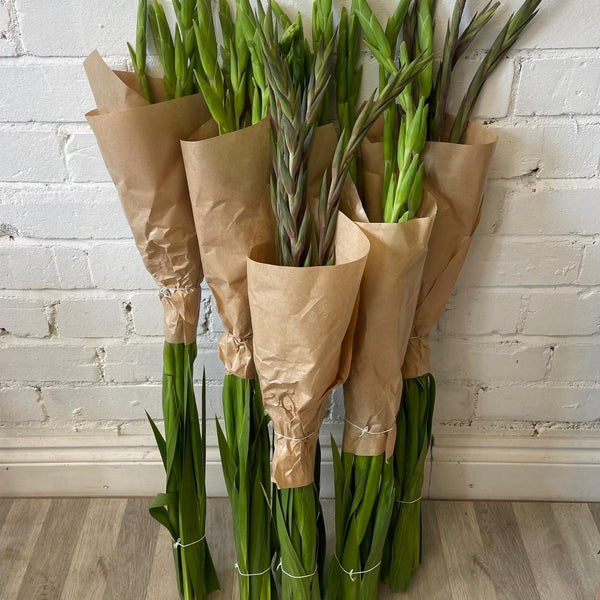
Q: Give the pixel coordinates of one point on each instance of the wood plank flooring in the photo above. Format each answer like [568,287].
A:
[110,549]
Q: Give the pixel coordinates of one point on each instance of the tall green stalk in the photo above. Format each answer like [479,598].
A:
[322,30]
[504,41]
[231,78]
[348,77]
[245,450]
[454,47]
[364,499]
[414,425]
[182,508]
[404,134]
[175,51]
[138,56]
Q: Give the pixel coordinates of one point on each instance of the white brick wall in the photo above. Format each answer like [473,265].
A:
[80,337]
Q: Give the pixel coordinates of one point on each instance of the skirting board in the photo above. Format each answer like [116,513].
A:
[465,467]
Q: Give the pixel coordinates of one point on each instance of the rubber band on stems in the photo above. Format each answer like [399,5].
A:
[352,573]
[409,501]
[280,566]
[365,430]
[178,544]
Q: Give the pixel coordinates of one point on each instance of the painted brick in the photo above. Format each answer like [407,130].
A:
[21,316]
[128,363]
[90,317]
[43,91]
[539,403]
[116,403]
[453,402]
[503,261]
[4,19]
[27,267]
[563,312]
[559,86]
[7,46]
[30,156]
[576,362]
[548,30]
[590,271]
[479,311]
[83,158]
[76,29]
[19,405]
[72,265]
[551,212]
[147,313]
[98,403]
[495,97]
[48,362]
[557,149]
[453,359]
[493,204]
[119,267]
[216,325]
[64,212]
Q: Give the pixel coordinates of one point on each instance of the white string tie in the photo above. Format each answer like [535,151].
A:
[293,439]
[180,545]
[167,292]
[366,431]
[237,568]
[352,573]
[409,501]
[280,566]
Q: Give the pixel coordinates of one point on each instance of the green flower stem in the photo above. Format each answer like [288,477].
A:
[504,41]
[414,425]
[364,500]
[138,56]
[244,449]
[182,508]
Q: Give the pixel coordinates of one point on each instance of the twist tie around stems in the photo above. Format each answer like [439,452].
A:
[237,568]
[293,439]
[167,292]
[409,501]
[180,545]
[352,573]
[365,430]
[280,566]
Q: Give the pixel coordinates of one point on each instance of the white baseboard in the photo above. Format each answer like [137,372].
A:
[465,467]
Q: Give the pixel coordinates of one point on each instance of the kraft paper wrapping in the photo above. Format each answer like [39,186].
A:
[303,328]
[388,298]
[456,175]
[140,146]
[228,179]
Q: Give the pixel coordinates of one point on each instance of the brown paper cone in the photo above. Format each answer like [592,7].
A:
[140,146]
[228,179]
[302,320]
[388,298]
[456,175]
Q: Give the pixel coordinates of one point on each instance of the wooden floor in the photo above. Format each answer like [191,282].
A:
[110,549]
